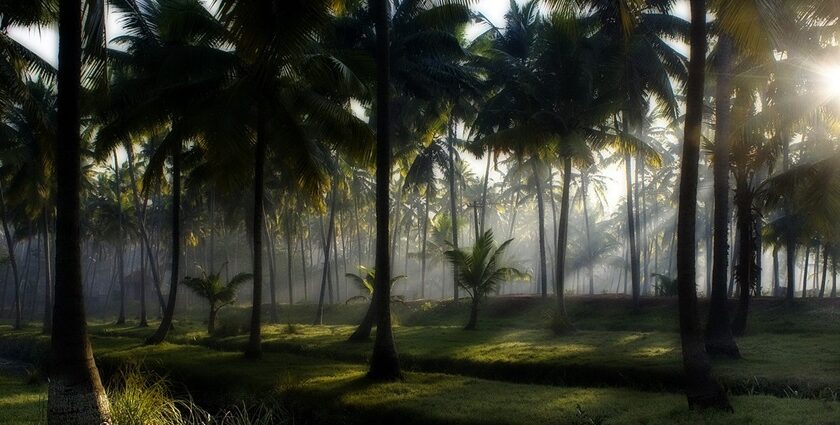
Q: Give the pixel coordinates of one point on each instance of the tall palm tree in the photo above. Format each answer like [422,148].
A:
[76,395]
[384,361]
[701,388]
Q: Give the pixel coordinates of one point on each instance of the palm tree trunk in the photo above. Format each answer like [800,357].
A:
[10,246]
[211,321]
[289,259]
[423,249]
[776,280]
[590,265]
[48,279]
[805,270]
[140,212]
[76,395]
[169,312]
[561,322]
[143,322]
[472,324]
[485,184]
[833,277]
[719,340]
[631,230]
[254,347]
[319,318]
[746,267]
[825,271]
[702,390]
[543,275]
[384,361]
[453,205]
[272,271]
[120,237]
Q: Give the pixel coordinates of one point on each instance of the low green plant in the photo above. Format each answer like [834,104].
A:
[141,397]
[216,291]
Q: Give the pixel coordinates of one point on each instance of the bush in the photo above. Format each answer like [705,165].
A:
[228,328]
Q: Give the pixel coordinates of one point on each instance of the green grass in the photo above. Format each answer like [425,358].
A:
[327,391]
[808,364]
[21,402]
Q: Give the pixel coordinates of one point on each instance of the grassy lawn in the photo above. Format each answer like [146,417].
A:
[330,391]
[775,364]
[21,402]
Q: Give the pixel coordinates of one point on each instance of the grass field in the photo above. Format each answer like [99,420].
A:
[612,370]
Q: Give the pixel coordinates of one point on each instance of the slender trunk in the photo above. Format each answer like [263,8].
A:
[631,230]
[254,348]
[746,267]
[10,246]
[289,260]
[423,249]
[384,361]
[805,270]
[719,340]
[453,205]
[48,280]
[319,318]
[484,192]
[120,238]
[590,261]
[303,267]
[272,271]
[543,278]
[169,312]
[561,322]
[824,271]
[833,277]
[776,280]
[515,209]
[702,390]
[76,395]
[143,322]
[362,332]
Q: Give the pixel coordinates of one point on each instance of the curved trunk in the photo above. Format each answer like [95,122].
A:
[254,348]
[702,390]
[541,228]
[362,332]
[719,340]
[143,323]
[561,322]
[384,361]
[169,312]
[211,321]
[805,271]
[76,395]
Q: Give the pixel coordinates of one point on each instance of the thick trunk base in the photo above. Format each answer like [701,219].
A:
[362,333]
[384,365]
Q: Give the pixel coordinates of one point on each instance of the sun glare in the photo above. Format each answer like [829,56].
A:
[830,76]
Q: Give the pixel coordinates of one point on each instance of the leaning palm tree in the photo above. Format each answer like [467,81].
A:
[76,395]
[216,291]
[480,271]
[367,284]
[701,388]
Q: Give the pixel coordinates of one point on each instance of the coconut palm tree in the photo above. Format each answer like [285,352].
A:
[76,395]
[368,285]
[480,271]
[216,291]
[702,390]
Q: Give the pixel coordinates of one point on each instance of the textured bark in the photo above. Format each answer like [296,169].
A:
[254,348]
[719,340]
[76,395]
[702,390]
[384,361]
